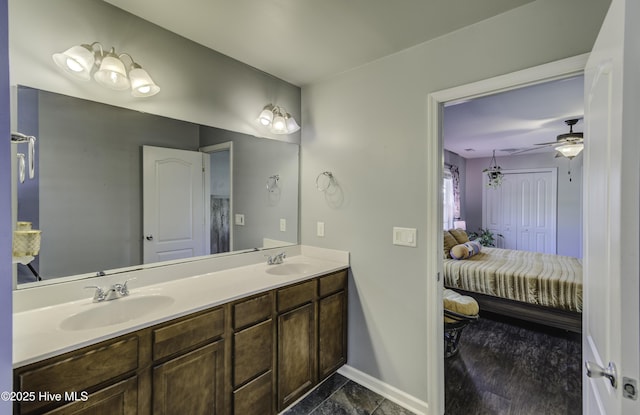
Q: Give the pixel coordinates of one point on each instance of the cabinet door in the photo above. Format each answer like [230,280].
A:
[332,333]
[118,399]
[296,354]
[256,397]
[191,384]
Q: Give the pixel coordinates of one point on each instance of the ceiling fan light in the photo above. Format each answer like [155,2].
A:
[570,150]
[77,61]
[112,73]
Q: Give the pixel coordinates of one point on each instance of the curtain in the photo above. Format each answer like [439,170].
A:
[455,178]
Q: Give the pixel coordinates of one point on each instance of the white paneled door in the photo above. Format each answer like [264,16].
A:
[173,204]
[523,209]
[611,322]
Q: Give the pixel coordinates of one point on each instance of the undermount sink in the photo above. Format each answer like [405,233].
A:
[113,312]
[288,269]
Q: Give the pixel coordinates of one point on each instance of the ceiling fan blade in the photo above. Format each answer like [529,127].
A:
[524,151]
[551,143]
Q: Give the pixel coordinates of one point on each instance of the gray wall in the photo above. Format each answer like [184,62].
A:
[251,169]
[91,182]
[368,126]
[6,364]
[569,214]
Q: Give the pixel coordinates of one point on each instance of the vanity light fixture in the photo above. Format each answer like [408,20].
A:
[278,120]
[108,69]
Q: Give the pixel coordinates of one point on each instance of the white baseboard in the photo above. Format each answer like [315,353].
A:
[387,391]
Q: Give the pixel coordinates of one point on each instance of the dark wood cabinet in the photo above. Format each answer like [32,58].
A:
[118,399]
[192,383]
[255,355]
[332,333]
[79,371]
[297,371]
[332,323]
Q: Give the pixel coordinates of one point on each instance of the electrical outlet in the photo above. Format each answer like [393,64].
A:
[320,229]
[239,219]
[283,225]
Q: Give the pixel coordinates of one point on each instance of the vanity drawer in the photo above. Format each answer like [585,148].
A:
[81,370]
[253,310]
[296,295]
[252,352]
[333,283]
[187,333]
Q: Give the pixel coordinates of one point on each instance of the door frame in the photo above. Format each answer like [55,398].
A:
[215,148]
[564,68]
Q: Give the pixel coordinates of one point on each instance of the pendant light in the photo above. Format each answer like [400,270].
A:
[494,173]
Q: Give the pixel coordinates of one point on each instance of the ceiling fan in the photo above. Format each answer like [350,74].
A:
[567,145]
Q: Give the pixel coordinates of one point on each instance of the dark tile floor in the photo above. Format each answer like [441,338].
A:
[504,367]
[341,396]
[514,368]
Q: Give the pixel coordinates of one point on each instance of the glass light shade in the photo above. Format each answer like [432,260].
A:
[266,117]
[279,125]
[570,150]
[292,125]
[112,73]
[141,83]
[77,60]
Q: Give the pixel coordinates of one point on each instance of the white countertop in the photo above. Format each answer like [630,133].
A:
[37,333]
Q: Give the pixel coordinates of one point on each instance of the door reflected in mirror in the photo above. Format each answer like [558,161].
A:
[88,196]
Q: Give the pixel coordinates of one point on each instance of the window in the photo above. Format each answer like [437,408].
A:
[451,195]
[449,205]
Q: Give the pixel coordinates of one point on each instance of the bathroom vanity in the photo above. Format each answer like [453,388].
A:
[256,352]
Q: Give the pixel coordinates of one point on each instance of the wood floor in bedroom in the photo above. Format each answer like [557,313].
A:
[508,367]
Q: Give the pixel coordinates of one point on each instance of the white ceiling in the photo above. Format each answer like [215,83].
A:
[513,120]
[301,41]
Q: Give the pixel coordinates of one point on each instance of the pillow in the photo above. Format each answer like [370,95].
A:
[449,242]
[458,303]
[460,235]
[465,250]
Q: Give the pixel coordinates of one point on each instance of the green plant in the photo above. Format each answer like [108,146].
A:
[485,237]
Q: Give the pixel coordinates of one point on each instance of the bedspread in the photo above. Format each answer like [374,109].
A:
[535,278]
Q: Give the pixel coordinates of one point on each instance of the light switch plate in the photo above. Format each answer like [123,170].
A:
[283,225]
[405,236]
[239,219]
[320,229]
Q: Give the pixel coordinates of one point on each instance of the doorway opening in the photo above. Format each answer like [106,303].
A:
[436,106]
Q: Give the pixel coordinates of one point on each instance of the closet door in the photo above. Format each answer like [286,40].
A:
[523,210]
[536,199]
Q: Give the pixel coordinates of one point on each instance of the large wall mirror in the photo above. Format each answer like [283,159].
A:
[89,190]
[89,195]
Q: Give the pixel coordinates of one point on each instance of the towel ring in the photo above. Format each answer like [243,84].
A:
[324,181]
[272,182]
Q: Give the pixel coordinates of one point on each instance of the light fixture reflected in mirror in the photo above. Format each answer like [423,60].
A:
[278,120]
[110,70]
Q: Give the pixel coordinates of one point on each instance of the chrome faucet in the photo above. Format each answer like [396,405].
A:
[276,259]
[111,293]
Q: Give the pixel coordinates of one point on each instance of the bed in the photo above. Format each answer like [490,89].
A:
[542,288]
